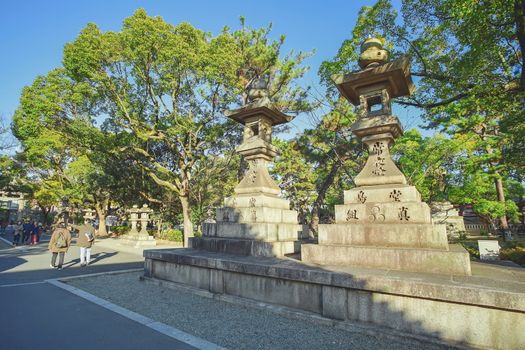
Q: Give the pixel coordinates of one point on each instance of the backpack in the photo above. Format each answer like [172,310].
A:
[61,241]
[90,237]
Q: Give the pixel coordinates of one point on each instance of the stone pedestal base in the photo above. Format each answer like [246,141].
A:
[256,224]
[387,227]
[261,231]
[384,235]
[246,247]
[453,262]
[137,240]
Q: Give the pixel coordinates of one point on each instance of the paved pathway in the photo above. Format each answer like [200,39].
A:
[35,314]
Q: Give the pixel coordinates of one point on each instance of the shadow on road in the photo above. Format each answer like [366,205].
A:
[94,259]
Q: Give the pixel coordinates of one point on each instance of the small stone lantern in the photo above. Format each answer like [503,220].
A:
[144,218]
[89,214]
[133,219]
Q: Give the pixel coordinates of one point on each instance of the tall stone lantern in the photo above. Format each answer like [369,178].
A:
[383,223]
[258,118]
[255,220]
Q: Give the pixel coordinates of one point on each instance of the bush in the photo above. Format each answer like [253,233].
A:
[462,236]
[120,230]
[198,234]
[472,249]
[172,235]
[513,251]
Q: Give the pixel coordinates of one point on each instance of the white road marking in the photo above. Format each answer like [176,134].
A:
[169,331]
[20,284]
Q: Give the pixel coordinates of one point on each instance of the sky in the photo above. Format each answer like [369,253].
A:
[33,33]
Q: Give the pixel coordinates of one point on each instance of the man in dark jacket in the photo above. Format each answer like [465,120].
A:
[27,228]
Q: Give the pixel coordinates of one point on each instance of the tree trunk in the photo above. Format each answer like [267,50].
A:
[45,213]
[501,199]
[186,214]
[500,195]
[328,181]
[519,18]
[504,224]
[101,213]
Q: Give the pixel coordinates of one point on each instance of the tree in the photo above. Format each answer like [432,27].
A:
[468,60]
[44,154]
[168,85]
[296,177]
[429,163]
[317,165]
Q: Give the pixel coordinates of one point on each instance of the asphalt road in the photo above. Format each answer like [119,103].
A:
[37,315]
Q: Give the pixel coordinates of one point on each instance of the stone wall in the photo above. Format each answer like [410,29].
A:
[461,313]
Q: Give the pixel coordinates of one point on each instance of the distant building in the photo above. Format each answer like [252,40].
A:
[12,206]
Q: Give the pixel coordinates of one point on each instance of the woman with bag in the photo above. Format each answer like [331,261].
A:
[59,244]
[16,233]
[85,240]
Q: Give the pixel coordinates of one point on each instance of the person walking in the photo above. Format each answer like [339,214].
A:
[27,228]
[35,233]
[85,240]
[59,244]
[16,233]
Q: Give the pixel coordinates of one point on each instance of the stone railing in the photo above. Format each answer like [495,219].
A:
[478,228]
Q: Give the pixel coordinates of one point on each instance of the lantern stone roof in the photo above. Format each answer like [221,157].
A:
[262,106]
[394,76]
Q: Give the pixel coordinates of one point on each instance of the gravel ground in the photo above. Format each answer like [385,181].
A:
[230,325]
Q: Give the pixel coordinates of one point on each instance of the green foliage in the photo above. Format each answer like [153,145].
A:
[428,163]
[516,254]
[261,57]
[296,176]
[467,58]
[316,166]
[120,230]
[462,236]
[166,87]
[172,235]
[472,249]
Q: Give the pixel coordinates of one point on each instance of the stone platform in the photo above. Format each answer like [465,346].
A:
[386,226]
[137,240]
[486,309]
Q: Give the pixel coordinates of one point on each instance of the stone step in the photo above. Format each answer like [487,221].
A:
[393,212]
[256,200]
[455,261]
[245,247]
[136,240]
[269,232]
[382,194]
[256,214]
[387,235]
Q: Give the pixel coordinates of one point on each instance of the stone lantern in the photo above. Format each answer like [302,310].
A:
[133,219]
[255,220]
[383,223]
[144,219]
[258,118]
[89,214]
